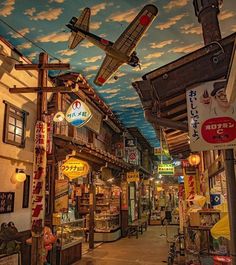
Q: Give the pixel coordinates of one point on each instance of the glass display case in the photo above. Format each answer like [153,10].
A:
[107,222]
[69,234]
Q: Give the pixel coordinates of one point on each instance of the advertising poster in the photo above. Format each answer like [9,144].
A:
[38,190]
[211,118]
[61,195]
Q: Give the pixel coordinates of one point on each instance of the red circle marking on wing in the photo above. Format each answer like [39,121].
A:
[101,79]
[144,20]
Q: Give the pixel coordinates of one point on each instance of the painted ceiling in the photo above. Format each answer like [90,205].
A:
[174,33]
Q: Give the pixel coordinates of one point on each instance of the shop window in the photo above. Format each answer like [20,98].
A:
[14,125]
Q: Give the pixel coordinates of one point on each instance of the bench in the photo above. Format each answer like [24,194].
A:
[137,226]
[133,228]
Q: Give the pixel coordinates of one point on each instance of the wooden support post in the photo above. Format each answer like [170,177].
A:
[91,211]
[40,156]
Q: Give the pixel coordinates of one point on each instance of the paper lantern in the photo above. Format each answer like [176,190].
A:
[194,159]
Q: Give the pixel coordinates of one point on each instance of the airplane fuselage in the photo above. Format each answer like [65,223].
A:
[103,44]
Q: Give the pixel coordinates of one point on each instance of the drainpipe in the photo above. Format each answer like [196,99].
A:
[207,12]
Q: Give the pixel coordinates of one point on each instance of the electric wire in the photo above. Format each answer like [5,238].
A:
[29,40]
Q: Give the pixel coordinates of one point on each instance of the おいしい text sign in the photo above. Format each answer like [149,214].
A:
[211,118]
[78,114]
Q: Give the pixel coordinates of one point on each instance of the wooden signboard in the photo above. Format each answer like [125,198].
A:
[7,202]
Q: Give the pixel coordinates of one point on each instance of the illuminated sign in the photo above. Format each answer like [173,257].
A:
[74,168]
[78,114]
[166,169]
[132,176]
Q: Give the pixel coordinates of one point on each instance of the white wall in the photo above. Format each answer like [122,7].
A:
[12,157]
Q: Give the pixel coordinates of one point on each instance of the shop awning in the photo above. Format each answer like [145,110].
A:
[65,144]
[162,91]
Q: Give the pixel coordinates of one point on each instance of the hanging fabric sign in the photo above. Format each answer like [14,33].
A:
[78,114]
[74,168]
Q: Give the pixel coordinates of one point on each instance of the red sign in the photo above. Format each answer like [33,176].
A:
[39,177]
[219,130]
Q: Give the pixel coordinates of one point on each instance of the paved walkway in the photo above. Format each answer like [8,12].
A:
[149,249]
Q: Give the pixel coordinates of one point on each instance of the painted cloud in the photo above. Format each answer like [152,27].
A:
[7,7]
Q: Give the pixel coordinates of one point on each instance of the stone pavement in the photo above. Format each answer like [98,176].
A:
[150,248]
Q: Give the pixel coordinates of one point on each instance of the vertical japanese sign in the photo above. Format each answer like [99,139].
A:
[39,175]
[49,133]
[211,118]
[124,195]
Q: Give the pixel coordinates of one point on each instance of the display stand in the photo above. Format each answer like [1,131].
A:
[69,242]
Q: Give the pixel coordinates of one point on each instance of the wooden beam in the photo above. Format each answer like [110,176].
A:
[37,89]
[46,66]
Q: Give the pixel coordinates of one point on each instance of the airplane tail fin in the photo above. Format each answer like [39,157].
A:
[82,22]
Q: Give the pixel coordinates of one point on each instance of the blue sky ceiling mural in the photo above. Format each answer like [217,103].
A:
[174,33]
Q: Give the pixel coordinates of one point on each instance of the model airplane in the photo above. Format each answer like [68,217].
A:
[118,53]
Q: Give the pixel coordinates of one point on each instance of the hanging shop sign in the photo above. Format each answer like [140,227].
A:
[132,154]
[133,176]
[166,169]
[160,151]
[211,118]
[74,168]
[78,114]
[39,175]
[61,195]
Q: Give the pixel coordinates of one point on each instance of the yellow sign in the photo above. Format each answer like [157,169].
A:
[133,176]
[74,168]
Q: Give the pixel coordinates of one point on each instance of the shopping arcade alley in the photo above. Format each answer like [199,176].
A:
[150,248]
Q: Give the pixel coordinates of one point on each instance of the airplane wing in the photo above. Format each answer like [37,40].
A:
[129,39]
[107,69]
[82,23]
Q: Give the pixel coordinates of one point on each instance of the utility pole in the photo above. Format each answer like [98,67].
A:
[40,155]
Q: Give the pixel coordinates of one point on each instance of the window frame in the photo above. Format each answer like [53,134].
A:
[7,116]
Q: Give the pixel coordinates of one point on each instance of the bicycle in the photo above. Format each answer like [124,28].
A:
[175,251]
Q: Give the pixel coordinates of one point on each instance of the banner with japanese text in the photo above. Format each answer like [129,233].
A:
[39,174]
[211,118]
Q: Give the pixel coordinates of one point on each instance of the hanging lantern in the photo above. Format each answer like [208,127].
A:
[194,159]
